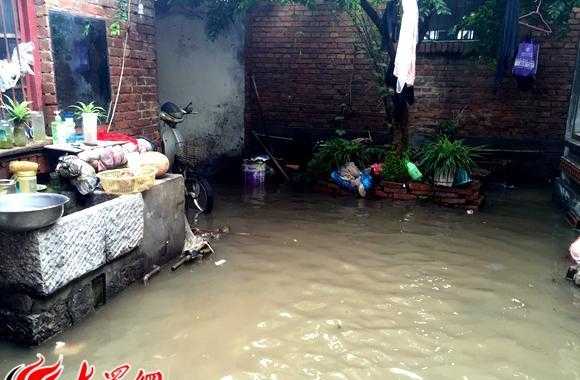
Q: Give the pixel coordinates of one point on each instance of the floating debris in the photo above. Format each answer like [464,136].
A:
[156,269]
[219,263]
[64,349]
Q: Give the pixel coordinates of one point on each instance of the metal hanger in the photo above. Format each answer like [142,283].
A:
[545,28]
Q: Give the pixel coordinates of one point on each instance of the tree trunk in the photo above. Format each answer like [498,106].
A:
[400,107]
[400,110]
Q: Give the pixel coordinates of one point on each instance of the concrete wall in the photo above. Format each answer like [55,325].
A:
[210,74]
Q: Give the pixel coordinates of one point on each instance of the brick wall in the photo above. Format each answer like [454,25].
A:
[137,110]
[303,61]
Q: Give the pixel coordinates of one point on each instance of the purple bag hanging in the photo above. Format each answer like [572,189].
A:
[526,63]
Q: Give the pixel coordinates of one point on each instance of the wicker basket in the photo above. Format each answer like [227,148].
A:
[126,181]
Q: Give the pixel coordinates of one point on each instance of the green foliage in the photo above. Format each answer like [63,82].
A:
[433,7]
[444,156]
[18,112]
[336,152]
[220,14]
[558,13]
[80,108]
[394,167]
[487,23]
[121,17]
[369,42]
[447,128]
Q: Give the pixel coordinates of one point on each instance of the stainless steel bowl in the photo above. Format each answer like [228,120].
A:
[30,211]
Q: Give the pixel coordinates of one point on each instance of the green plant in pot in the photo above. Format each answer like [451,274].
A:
[394,167]
[332,154]
[19,114]
[442,159]
[90,115]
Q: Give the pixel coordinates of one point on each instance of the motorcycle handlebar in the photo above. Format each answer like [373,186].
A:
[188,109]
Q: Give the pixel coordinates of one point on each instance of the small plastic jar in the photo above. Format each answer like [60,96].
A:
[7,186]
[20,137]
[6,134]
[26,182]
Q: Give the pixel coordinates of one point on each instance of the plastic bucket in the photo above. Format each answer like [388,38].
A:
[254,173]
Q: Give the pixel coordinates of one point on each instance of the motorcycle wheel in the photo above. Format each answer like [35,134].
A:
[199,194]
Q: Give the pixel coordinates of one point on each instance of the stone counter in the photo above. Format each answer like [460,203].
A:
[54,277]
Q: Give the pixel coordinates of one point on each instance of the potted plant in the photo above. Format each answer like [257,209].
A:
[394,168]
[90,114]
[19,114]
[443,158]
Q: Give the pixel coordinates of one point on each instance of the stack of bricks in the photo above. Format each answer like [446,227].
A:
[468,197]
[137,111]
[395,191]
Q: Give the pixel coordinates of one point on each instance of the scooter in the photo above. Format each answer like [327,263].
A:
[183,158]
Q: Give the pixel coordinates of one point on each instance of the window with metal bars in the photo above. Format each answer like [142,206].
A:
[442,27]
[18,24]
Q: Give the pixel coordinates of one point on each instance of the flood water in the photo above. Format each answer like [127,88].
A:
[324,288]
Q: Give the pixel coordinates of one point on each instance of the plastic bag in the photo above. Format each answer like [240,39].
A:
[350,178]
[526,63]
[81,174]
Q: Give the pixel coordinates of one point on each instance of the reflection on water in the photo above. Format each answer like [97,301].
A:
[323,288]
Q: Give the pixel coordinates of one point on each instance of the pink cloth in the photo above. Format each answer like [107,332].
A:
[107,158]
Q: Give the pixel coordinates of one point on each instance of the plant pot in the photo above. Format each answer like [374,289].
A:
[444,179]
[90,121]
[462,177]
[20,136]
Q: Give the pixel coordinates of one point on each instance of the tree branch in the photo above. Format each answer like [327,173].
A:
[387,27]
[372,13]
[387,40]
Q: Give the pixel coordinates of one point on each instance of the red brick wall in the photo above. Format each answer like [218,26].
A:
[137,110]
[303,61]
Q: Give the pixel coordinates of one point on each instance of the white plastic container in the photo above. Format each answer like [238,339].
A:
[38,126]
[90,122]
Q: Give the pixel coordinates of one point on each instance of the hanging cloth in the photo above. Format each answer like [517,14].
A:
[407,45]
[12,69]
[509,41]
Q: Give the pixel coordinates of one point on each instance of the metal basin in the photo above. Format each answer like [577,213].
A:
[30,211]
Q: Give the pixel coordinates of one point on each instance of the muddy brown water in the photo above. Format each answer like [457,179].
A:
[323,288]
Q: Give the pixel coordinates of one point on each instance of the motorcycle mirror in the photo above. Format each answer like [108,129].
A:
[188,109]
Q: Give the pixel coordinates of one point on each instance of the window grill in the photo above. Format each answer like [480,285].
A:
[18,24]
[442,27]
[10,37]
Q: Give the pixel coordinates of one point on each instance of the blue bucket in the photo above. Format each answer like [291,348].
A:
[254,173]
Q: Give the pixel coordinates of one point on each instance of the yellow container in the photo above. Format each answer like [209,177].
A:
[26,181]
[127,181]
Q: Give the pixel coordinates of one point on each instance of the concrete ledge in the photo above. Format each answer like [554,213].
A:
[29,319]
[48,259]
[29,316]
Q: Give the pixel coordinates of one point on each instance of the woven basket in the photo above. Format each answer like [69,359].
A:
[126,181]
